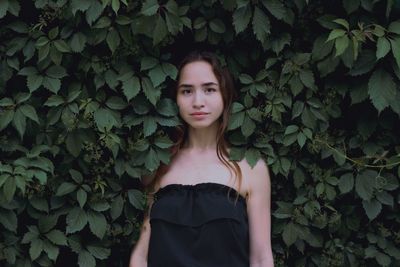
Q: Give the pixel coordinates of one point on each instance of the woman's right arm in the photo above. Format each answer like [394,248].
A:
[140,251]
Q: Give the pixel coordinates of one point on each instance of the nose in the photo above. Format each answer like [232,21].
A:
[198,99]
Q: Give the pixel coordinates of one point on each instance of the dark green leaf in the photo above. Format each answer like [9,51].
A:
[275,7]
[372,208]
[78,42]
[160,31]
[57,237]
[261,25]
[149,7]
[241,18]
[136,198]
[85,259]
[381,89]
[383,47]
[113,40]
[76,220]
[97,223]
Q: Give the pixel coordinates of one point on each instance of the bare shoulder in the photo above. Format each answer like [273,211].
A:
[257,177]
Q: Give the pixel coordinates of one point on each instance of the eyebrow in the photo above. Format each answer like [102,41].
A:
[190,86]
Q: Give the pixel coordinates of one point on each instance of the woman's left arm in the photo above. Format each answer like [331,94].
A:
[259,215]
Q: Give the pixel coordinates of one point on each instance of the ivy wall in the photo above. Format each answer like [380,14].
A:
[84,113]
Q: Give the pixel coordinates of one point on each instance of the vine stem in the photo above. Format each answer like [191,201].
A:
[355,161]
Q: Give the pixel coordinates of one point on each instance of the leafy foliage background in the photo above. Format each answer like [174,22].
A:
[84,113]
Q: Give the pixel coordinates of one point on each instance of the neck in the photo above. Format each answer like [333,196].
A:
[202,139]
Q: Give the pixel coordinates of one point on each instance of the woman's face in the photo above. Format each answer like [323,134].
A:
[199,96]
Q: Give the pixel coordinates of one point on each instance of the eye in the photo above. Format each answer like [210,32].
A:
[209,90]
[185,91]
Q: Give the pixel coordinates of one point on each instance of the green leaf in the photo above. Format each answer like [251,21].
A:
[301,139]
[78,42]
[150,7]
[174,23]
[131,87]
[62,46]
[170,70]
[85,259]
[342,22]
[160,31]
[289,234]
[395,43]
[341,43]
[19,122]
[47,222]
[116,103]
[346,183]
[9,220]
[3,8]
[291,129]
[135,198]
[381,89]
[150,92]
[29,112]
[372,208]
[115,5]
[307,78]
[383,47]
[34,82]
[99,252]
[252,156]
[248,126]
[236,120]
[147,63]
[365,184]
[74,143]
[76,220]
[97,223]
[157,75]
[113,40]
[65,188]
[36,248]
[385,198]
[151,160]
[6,117]
[52,84]
[81,196]
[394,27]
[334,34]
[81,5]
[149,125]
[241,18]
[54,101]
[364,63]
[104,119]
[57,72]
[39,204]
[57,237]
[275,7]
[261,25]
[217,25]
[167,107]
[116,207]
[94,12]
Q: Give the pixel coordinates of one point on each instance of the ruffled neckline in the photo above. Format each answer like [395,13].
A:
[206,186]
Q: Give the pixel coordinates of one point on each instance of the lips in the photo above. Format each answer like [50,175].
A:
[198,113]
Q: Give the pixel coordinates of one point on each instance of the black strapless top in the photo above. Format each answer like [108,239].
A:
[198,226]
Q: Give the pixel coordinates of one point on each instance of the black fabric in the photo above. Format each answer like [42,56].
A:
[198,226]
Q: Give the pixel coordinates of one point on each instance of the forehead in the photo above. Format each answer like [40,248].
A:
[197,72]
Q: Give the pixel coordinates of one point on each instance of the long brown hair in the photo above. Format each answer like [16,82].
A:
[179,133]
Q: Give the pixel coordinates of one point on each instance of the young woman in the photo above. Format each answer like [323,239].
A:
[194,221]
